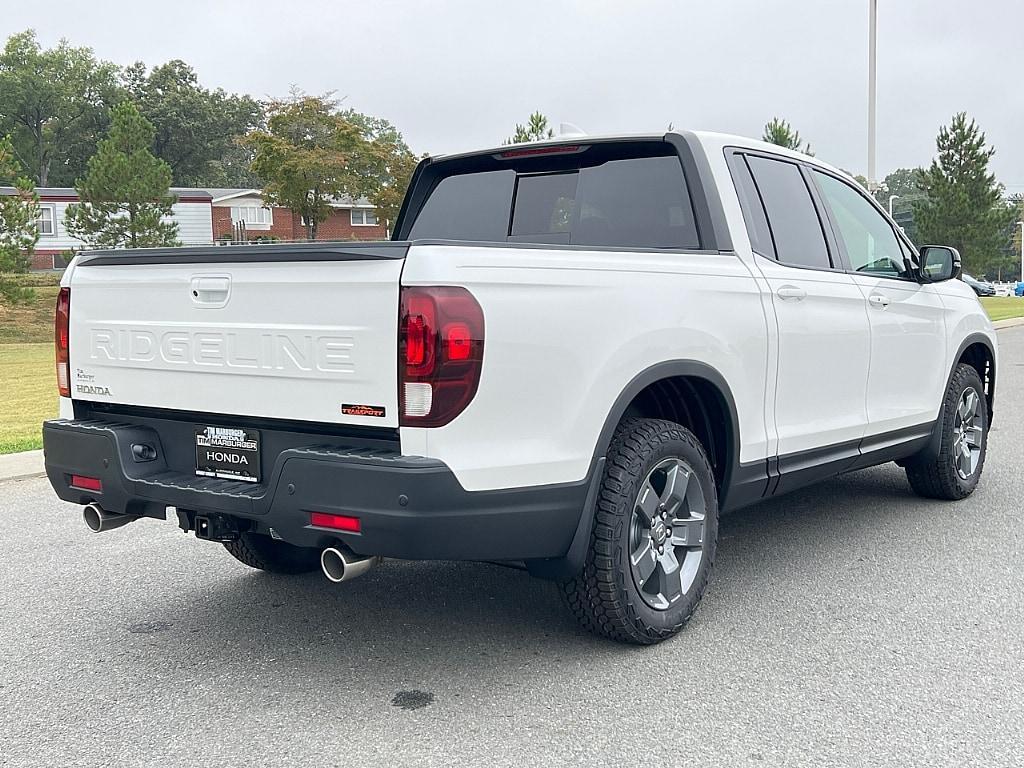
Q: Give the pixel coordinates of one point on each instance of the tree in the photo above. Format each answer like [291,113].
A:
[904,183]
[196,128]
[55,104]
[781,133]
[391,163]
[125,196]
[536,128]
[310,154]
[19,228]
[963,206]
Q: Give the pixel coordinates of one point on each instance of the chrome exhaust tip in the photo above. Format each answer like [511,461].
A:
[343,565]
[99,520]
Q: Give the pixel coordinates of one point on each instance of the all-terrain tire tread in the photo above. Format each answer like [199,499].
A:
[934,477]
[266,554]
[596,596]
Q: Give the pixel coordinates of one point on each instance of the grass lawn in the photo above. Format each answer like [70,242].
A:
[30,323]
[29,394]
[1003,307]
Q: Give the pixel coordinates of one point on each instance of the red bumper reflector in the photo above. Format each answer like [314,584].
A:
[338,522]
[86,483]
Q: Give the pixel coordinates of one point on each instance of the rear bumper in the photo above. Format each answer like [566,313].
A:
[409,507]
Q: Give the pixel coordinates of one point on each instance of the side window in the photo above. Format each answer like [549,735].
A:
[753,212]
[792,218]
[870,241]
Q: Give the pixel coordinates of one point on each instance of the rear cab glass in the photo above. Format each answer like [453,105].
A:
[619,195]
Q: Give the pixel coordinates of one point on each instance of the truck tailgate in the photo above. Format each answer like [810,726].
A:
[292,339]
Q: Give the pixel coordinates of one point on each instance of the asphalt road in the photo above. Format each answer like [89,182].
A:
[848,624]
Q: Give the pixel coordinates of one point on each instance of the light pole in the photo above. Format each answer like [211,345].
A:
[1021,225]
[873,24]
[891,198]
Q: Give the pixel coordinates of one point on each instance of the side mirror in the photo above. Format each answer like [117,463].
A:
[939,263]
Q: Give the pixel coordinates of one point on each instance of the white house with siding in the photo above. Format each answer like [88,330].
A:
[193,213]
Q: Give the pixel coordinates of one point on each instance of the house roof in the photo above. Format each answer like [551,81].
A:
[226,194]
[69,193]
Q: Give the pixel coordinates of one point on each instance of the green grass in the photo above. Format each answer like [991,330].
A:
[29,395]
[1003,307]
[29,323]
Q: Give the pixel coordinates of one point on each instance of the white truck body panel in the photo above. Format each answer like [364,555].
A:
[567,330]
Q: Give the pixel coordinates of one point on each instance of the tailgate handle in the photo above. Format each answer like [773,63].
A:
[211,291]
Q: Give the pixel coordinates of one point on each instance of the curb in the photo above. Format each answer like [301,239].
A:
[21,466]
[1011,322]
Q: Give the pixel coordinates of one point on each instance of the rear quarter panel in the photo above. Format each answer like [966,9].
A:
[566,331]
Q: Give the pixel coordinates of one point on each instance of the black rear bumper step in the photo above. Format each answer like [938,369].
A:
[409,507]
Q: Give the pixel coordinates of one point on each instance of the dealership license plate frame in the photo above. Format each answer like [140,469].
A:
[237,453]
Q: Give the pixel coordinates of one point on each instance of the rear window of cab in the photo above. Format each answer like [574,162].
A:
[619,195]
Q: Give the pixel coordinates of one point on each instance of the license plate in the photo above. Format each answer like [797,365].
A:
[228,453]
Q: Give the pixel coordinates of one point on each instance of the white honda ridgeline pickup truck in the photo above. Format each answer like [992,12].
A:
[574,354]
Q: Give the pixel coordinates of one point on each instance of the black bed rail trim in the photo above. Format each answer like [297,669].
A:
[232,254]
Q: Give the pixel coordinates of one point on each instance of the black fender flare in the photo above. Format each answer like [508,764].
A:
[562,568]
[934,443]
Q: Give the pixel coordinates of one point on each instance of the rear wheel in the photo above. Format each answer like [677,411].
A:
[954,473]
[271,555]
[654,535]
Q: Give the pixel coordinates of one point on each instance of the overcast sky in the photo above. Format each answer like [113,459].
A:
[458,74]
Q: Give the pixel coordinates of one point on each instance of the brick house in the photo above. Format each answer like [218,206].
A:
[193,212]
[205,216]
[349,219]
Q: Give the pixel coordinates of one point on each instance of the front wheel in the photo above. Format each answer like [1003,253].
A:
[963,423]
[654,536]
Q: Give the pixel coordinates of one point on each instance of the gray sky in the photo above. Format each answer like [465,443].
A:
[458,74]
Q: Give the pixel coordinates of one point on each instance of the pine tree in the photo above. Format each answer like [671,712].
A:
[125,193]
[536,129]
[964,206]
[781,133]
[19,229]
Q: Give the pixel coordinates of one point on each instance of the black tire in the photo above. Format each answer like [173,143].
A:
[272,556]
[936,476]
[605,596]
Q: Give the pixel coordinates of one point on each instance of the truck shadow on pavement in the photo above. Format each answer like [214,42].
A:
[461,614]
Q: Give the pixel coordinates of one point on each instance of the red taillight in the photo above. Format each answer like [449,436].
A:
[84,483]
[61,332]
[337,522]
[441,352]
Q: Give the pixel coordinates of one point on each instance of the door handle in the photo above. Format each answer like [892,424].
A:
[211,291]
[791,292]
[879,300]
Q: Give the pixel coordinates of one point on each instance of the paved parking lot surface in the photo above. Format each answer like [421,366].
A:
[847,624]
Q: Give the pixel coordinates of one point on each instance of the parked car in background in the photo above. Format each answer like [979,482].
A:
[1019,290]
[1004,288]
[980,287]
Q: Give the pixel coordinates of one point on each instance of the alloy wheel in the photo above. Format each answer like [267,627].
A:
[666,533]
[968,434]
